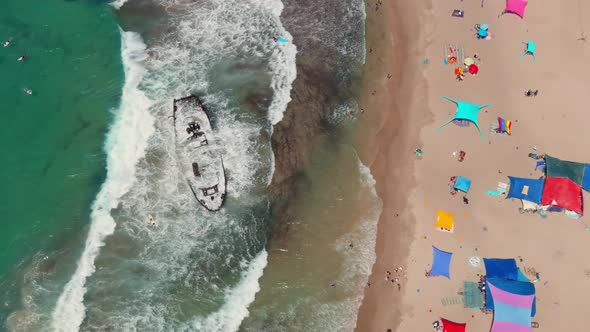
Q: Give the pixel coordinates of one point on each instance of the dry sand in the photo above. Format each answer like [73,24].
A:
[413,189]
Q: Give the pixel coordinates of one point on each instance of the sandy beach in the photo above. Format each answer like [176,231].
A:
[402,113]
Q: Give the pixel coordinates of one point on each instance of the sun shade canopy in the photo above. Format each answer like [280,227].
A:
[502,268]
[466,111]
[511,286]
[441,262]
[564,193]
[531,47]
[516,7]
[449,326]
[462,184]
[512,312]
[557,168]
[445,221]
[527,189]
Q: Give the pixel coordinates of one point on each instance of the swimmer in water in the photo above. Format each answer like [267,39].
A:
[28,91]
[152,221]
[22,57]
[6,43]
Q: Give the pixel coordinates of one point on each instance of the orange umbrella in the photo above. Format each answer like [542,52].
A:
[459,71]
[473,69]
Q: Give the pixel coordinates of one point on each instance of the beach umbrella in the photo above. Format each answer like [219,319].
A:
[482,33]
[468,61]
[484,26]
[459,71]
[473,69]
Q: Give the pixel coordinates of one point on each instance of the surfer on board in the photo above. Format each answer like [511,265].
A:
[28,91]
[6,43]
[22,57]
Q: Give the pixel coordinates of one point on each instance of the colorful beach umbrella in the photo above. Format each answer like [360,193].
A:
[468,61]
[473,69]
[459,71]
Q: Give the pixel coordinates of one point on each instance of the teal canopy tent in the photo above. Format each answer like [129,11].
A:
[467,112]
[531,47]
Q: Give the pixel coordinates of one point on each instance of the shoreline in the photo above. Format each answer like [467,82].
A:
[383,142]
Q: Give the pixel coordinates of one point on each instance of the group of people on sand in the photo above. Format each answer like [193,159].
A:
[22,57]
[395,279]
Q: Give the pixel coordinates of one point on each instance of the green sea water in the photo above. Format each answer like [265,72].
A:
[52,160]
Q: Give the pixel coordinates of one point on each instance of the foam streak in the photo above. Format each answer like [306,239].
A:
[125,146]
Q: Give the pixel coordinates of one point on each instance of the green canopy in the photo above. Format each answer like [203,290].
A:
[472,297]
[557,168]
[466,111]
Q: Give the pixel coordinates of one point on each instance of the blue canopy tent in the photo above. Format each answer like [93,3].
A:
[528,189]
[465,111]
[462,184]
[441,262]
[511,286]
[502,268]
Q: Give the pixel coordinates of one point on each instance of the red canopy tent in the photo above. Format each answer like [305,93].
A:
[449,326]
[564,193]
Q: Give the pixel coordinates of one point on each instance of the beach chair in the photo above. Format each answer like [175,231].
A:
[531,47]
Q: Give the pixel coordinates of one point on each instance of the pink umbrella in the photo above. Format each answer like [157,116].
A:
[473,69]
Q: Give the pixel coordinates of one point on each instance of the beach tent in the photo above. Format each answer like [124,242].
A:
[513,287]
[512,312]
[557,168]
[501,268]
[473,69]
[516,7]
[531,47]
[445,221]
[449,326]
[564,193]
[462,184]
[526,189]
[465,111]
[441,262]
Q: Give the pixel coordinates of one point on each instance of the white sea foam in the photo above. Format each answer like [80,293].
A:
[125,146]
[283,66]
[117,4]
[235,309]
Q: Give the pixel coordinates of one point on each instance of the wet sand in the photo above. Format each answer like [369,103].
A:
[403,114]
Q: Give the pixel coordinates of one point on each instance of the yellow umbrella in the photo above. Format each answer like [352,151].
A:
[468,61]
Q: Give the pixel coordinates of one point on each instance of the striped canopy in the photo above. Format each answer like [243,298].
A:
[512,312]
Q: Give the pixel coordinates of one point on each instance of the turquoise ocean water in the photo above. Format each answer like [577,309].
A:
[52,159]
